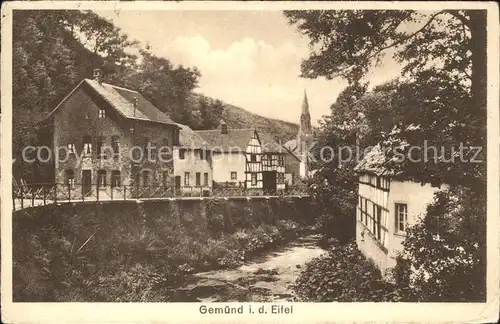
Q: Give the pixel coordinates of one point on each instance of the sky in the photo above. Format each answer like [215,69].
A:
[250,59]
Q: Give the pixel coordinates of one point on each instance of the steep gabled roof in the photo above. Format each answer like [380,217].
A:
[236,140]
[374,162]
[122,100]
[291,145]
[269,144]
[188,138]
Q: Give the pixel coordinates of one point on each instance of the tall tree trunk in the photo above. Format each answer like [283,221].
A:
[479,84]
[479,59]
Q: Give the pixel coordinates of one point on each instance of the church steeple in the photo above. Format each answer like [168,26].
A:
[304,136]
[305,117]
[305,104]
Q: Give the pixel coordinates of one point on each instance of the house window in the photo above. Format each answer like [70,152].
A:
[87,145]
[145,142]
[378,183]
[254,179]
[198,179]
[100,144]
[264,160]
[203,155]
[281,160]
[205,179]
[71,148]
[366,211]
[116,178]
[102,113]
[186,178]
[165,179]
[234,175]
[115,145]
[175,137]
[182,154]
[145,178]
[70,177]
[379,221]
[101,178]
[153,152]
[401,217]
[281,178]
[361,209]
[253,158]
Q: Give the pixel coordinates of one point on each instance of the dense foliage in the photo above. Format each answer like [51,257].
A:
[53,50]
[439,103]
[447,249]
[72,253]
[343,275]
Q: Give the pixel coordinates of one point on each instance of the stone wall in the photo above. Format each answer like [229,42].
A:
[200,215]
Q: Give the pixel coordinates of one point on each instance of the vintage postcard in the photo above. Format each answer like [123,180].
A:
[250,162]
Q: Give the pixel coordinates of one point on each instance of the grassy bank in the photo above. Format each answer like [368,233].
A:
[130,253]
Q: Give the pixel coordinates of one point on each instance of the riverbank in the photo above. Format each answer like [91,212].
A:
[265,279]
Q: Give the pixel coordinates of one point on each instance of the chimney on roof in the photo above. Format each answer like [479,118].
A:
[135,104]
[97,74]
[223,127]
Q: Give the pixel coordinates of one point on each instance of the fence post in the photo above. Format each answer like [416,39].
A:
[44,196]
[55,193]
[111,191]
[32,198]
[13,200]
[97,189]
[69,192]
[124,192]
[22,196]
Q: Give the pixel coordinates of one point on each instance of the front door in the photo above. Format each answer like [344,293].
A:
[269,181]
[86,182]
[177,184]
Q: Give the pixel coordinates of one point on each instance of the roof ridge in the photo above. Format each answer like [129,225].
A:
[122,88]
[218,130]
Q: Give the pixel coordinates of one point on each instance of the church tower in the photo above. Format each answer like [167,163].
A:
[304,136]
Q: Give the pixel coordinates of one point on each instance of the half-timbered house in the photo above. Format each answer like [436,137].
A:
[246,159]
[386,207]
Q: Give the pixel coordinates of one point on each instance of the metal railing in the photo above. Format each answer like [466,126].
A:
[39,194]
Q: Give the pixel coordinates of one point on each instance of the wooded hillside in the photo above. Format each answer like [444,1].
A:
[54,50]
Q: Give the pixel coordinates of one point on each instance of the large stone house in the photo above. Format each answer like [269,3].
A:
[386,207]
[104,128]
[192,162]
[246,159]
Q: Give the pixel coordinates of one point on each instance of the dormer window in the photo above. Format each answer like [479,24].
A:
[102,113]
[71,148]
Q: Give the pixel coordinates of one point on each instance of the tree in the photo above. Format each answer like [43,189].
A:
[334,182]
[441,98]
[444,66]
[55,49]
[168,87]
[347,43]
[447,248]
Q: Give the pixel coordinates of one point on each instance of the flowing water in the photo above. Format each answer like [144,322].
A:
[267,278]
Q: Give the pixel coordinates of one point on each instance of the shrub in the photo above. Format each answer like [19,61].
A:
[343,275]
[446,250]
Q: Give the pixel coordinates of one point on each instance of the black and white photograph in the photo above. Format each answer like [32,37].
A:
[250,160]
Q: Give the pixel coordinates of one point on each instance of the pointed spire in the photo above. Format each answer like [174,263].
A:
[305,105]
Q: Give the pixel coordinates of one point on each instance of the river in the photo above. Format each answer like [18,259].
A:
[265,279]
